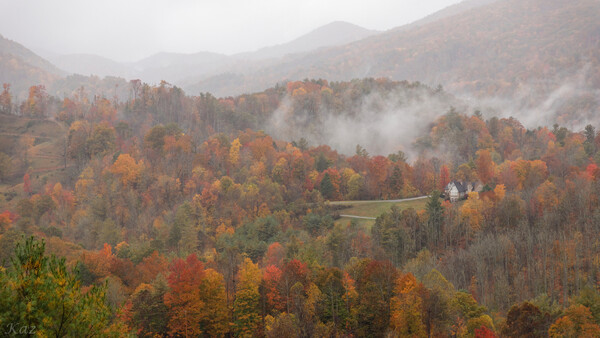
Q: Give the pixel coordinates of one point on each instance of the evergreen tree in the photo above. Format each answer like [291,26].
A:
[322,163]
[436,216]
[326,187]
[396,181]
[39,295]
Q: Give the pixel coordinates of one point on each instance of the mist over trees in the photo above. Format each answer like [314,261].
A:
[438,179]
[177,215]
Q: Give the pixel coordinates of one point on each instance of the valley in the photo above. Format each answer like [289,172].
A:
[439,178]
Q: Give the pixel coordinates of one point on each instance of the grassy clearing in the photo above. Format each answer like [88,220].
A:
[53,148]
[374,209]
[366,224]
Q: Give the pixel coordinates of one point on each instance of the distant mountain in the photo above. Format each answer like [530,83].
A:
[538,53]
[173,67]
[451,10]
[165,60]
[22,68]
[505,47]
[334,34]
[89,64]
[179,68]
[17,50]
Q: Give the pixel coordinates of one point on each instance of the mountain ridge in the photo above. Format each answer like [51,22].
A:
[332,34]
[176,67]
[492,49]
[22,68]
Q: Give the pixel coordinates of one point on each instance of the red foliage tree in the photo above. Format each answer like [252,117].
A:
[484,332]
[444,177]
[272,293]
[27,183]
[183,298]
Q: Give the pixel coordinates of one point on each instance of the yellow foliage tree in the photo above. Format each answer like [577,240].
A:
[247,300]
[234,152]
[500,191]
[471,212]
[127,169]
[212,291]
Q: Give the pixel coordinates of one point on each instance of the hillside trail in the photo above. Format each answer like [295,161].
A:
[358,217]
[60,167]
[25,135]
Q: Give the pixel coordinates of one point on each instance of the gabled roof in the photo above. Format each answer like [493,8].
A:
[459,186]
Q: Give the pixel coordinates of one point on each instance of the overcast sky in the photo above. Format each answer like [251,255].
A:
[128,30]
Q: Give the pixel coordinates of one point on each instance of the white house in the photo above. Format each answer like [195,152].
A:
[456,190]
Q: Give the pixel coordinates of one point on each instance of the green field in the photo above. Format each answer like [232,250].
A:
[374,209]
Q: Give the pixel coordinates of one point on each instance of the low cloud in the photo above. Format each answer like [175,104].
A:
[571,102]
[383,123]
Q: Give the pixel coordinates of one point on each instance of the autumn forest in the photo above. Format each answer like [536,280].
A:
[176,215]
[300,168]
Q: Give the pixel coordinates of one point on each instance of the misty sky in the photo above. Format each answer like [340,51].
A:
[128,30]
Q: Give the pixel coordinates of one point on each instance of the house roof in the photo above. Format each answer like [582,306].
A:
[461,187]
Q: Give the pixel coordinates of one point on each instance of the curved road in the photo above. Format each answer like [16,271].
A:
[378,201]
[359,217]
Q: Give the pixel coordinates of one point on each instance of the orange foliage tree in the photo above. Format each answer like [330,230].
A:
[407,307]
[485,166]
[127,169]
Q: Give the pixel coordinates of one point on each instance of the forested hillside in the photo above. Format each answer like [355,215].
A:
[180,215]
[532,51]
[523,58]
[22,68]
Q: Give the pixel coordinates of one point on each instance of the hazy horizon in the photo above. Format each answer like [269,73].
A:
[133,30]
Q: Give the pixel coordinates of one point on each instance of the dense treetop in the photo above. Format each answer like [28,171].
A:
[177,215]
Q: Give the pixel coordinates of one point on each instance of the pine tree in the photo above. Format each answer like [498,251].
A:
[326,187]
[436,216]
[396,182]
